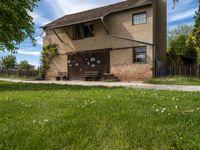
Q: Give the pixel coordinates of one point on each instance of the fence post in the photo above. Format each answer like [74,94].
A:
[199,71]
[170,70]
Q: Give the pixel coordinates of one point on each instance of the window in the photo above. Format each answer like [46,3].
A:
[140,55]
[140,18]
[78,32]
[81,31]
[88,30]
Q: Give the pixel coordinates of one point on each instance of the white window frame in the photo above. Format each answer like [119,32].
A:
[137,51]
[140,20]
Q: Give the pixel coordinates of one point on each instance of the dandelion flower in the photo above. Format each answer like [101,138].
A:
[163,110]
[109,96]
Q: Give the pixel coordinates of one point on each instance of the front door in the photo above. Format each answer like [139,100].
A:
[79,63]
[75,66]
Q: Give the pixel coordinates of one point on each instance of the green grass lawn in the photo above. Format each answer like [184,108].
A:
[175,80]
[78,118]
[16,77]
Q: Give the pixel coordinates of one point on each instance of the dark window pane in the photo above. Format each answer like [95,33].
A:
[78,32]
[81,31]
[88,30]
[139,55]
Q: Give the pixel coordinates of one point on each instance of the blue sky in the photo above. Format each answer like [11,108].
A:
[49,10]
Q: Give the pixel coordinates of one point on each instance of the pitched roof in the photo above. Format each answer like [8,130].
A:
[96,13]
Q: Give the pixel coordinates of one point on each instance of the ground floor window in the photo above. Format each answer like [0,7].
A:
[140,55]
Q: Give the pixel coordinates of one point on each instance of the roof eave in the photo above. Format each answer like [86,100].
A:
[61,26]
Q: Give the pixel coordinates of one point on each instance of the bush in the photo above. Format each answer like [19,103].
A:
[38,78]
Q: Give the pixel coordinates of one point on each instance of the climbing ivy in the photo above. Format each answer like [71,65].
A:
[48,53]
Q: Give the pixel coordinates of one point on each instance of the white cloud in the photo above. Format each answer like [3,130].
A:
[170,27]
[63,7]
[31,53]
[39,19]
[181,6]
[185,2]
[39,40]
[182,15]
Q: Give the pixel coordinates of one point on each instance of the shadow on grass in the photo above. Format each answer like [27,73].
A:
[7,86]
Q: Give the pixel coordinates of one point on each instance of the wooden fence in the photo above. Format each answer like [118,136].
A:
[178,70]
[31,73]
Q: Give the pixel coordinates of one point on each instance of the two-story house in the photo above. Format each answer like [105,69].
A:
[126,39]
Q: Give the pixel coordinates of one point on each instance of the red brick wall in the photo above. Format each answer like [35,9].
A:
[132,72]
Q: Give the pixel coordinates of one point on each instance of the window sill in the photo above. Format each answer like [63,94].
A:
[139,24]
[138,63]
[83,38]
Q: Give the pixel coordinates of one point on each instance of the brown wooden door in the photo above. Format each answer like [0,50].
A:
[75,67]
[79,63]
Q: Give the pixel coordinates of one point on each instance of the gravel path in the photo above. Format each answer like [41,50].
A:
[138,85]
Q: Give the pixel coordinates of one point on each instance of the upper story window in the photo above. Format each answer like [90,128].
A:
[88,30]
[140,55]
[81,31]
[140,18]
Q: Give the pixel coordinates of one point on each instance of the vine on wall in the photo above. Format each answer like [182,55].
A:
[48,53]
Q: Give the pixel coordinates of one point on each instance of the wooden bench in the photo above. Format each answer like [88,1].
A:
[109,77]
[62,76]
[91,75]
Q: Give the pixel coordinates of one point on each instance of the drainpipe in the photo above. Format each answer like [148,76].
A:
[154,61]
[105,26]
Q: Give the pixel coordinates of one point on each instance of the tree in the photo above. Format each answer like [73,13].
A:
[183,49]
[24,66]
[179,45]
[179,30]
[9,62]
[16,24]
[191,45]
[174,2]
[196,32]
[1,65]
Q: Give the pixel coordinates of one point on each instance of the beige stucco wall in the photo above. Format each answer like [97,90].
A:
[119,24]
[123,68]
[58,64]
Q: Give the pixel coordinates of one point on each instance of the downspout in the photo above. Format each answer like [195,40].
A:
[154,61]
[105,26]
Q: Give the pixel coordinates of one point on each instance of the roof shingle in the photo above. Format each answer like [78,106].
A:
[96,13]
